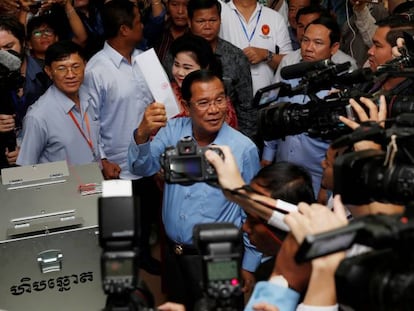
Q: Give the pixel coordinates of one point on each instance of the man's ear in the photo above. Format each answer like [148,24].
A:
[123,30]
[48,71]
[186,108]
[334,48]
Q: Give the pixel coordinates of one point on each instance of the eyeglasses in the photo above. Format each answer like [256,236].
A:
[203,22]
[204,104]
[48,32]
[62,71]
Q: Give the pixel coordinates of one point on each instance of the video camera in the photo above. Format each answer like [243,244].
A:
[381,279]
[186,163]
[118,216]
[319,116]
[220,244]
[374,175]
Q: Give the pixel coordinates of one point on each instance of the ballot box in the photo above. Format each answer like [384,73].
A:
[49,249]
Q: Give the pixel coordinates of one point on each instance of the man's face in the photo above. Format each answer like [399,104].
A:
[316,44]
[41,38]
[9,42]
[178,12]
[327,164]
[184,63]
[207,123]
[67,75]
[258,232]
[381,51]
[206,23]
[294,7]
[303,21]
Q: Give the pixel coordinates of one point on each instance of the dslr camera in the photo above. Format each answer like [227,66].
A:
[186,163]
[220,245]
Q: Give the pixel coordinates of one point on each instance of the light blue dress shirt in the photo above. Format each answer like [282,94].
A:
[50,134]
[120,96]
[284,298]
[186,206]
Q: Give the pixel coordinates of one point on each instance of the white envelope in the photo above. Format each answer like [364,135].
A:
[157,81]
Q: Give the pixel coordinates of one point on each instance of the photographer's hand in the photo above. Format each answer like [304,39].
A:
[171,306]
[155,117]
[262,306]
[7,123]
[227,170]
[315,218]
[12,156]
[375,114]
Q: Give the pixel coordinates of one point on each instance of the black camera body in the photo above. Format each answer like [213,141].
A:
[220,244]
[186,163]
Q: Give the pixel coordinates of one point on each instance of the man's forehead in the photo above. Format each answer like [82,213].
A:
[317,30]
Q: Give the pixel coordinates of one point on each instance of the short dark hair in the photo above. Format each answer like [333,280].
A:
[201,50]
[312,9]
[202,75]
[194,5]
[61,50]
[11,24]
[286,181]
[330,23]
[115,14]
[37,21]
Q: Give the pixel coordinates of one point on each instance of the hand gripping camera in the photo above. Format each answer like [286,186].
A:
[186,163]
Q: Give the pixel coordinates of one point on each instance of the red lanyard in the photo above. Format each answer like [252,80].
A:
[88,139]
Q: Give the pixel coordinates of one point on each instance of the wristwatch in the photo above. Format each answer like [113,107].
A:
[269,56]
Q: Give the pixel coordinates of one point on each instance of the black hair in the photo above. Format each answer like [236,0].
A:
[115,14]
[194,5]
[61,50]
[201,51]
[312,9]
[202,75]
[37,21]
[330,23]
[12,25]
[286,181]
[404,7]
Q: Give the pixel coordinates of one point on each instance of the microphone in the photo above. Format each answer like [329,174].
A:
[10,60]
[357,76]
[299,70]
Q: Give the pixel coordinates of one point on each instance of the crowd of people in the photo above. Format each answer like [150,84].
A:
[83,98]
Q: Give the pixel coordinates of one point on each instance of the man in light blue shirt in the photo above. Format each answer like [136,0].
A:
[186,206]
[60,126]
[117,87]
[120,96]
[320,41]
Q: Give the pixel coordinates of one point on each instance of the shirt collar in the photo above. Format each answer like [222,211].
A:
[115,56]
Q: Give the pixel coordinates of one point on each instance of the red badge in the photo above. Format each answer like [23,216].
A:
[265,29]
